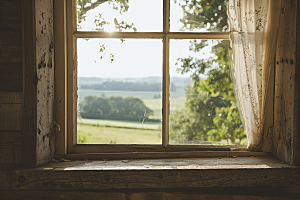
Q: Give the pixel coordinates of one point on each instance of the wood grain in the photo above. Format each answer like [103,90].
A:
[10,15]
[284,138]
[45,138]
[29,81]
[10,97]
[132,195]
[11,77]
[10,37]
[11,117]
[39,131]
[172,163]
[60,69]
[296,157]
[118,148]
[169,173]
[10,154]
[10,47]
[160,155]
[10,53]
[11,138]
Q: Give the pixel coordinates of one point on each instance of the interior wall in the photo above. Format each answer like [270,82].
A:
[286,100]
[11,83]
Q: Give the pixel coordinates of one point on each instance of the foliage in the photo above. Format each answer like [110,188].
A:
[208,14]
[114,107]
[210,113]
[83,6]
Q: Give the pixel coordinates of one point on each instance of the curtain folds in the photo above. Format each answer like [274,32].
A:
[254,27]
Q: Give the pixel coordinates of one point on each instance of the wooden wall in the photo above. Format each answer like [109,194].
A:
[38,84]
[286,102]
[11,83]
[26,83]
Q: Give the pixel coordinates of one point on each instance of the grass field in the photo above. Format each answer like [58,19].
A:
[101,134]
[119,123]
[95,131]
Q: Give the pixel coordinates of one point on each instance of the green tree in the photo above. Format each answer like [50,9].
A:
[83,6]
[210,113]
[118,108]
[95,108]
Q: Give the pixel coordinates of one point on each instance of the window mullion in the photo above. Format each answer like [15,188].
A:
[166,75]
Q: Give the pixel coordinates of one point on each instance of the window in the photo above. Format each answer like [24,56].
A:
[167,78]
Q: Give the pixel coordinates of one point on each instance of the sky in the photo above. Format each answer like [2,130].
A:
[133,58]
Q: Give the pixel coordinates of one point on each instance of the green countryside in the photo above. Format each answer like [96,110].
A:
[203,107]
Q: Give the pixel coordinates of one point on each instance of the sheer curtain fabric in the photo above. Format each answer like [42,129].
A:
[252,32]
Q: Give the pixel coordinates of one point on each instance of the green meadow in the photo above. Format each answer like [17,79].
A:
[109,134]
[96,131]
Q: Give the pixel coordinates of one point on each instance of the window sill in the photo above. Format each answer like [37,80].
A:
[155,173]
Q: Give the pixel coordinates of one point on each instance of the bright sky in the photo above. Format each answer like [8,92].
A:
[133,58]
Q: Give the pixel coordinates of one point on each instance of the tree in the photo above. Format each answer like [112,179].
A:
[95,108]
[114,107]
[83,6]
[210,113]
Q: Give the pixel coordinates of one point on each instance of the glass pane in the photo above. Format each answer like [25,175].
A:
[119,91]
[133,15]
[199,15]
[203,108]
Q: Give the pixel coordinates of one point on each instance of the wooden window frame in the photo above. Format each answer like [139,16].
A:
[66,77]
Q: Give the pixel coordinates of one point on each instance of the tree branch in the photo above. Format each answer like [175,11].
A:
[93,5]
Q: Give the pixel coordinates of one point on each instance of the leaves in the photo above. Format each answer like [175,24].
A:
[210,15]
[210,112]
[120,26]
[114,107]
[100,22]
[83,6]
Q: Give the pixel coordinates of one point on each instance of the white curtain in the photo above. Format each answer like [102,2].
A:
[252,33]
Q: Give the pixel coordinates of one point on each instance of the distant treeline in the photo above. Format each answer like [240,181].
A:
[116,108]
[127,86]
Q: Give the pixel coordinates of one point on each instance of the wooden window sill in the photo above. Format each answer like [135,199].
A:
[154,173]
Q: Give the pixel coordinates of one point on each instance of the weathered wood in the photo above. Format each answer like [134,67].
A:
[10,154]
[39,133]
[71,17]
[11,38]
[10,47]
[118,148]
[10,15]
[133,195]
[160,155]
[45,139]
[172,163]
[10,24]
[11,138]
[60,75]
[284,137]
[296,157]
[171,173]
[11,117]
[10,53]
[10,97]
[11,4]
[29,81]
[11,77]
